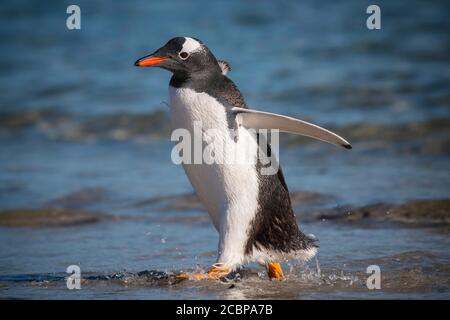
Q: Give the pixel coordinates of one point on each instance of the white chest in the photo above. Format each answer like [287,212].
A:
[228,187]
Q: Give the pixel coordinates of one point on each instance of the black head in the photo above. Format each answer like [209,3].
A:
[183,56]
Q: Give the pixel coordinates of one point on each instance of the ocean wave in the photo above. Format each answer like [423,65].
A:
[59,125]
[424,137]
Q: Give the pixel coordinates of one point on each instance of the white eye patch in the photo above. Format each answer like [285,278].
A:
[190,45]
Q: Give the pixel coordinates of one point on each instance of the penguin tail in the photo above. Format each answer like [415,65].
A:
[308,248]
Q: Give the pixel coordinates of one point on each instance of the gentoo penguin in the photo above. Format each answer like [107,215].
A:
[251,211]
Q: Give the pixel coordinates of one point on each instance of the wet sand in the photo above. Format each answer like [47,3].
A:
[48,217]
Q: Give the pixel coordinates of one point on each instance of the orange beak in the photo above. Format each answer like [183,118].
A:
[149,61]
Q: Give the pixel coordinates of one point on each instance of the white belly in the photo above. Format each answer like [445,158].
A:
[228,190]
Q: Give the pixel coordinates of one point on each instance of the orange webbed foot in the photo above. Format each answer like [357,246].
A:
[191,276]
[218,271]
[274,271]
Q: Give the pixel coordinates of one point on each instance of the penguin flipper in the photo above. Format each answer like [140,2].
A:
[265,120]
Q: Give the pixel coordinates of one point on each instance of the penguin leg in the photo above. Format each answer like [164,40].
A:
[274,271]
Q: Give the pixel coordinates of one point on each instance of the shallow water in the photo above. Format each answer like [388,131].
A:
[80,127]
[135,246]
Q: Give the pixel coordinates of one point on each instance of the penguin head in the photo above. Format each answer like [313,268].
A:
[183,56]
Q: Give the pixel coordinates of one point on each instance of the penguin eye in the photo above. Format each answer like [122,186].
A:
[183,55]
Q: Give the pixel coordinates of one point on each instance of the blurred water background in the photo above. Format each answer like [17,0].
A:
[82,128]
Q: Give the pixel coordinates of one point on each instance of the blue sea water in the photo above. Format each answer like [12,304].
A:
[75,114]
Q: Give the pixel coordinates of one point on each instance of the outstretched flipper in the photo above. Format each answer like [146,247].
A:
[266,120]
